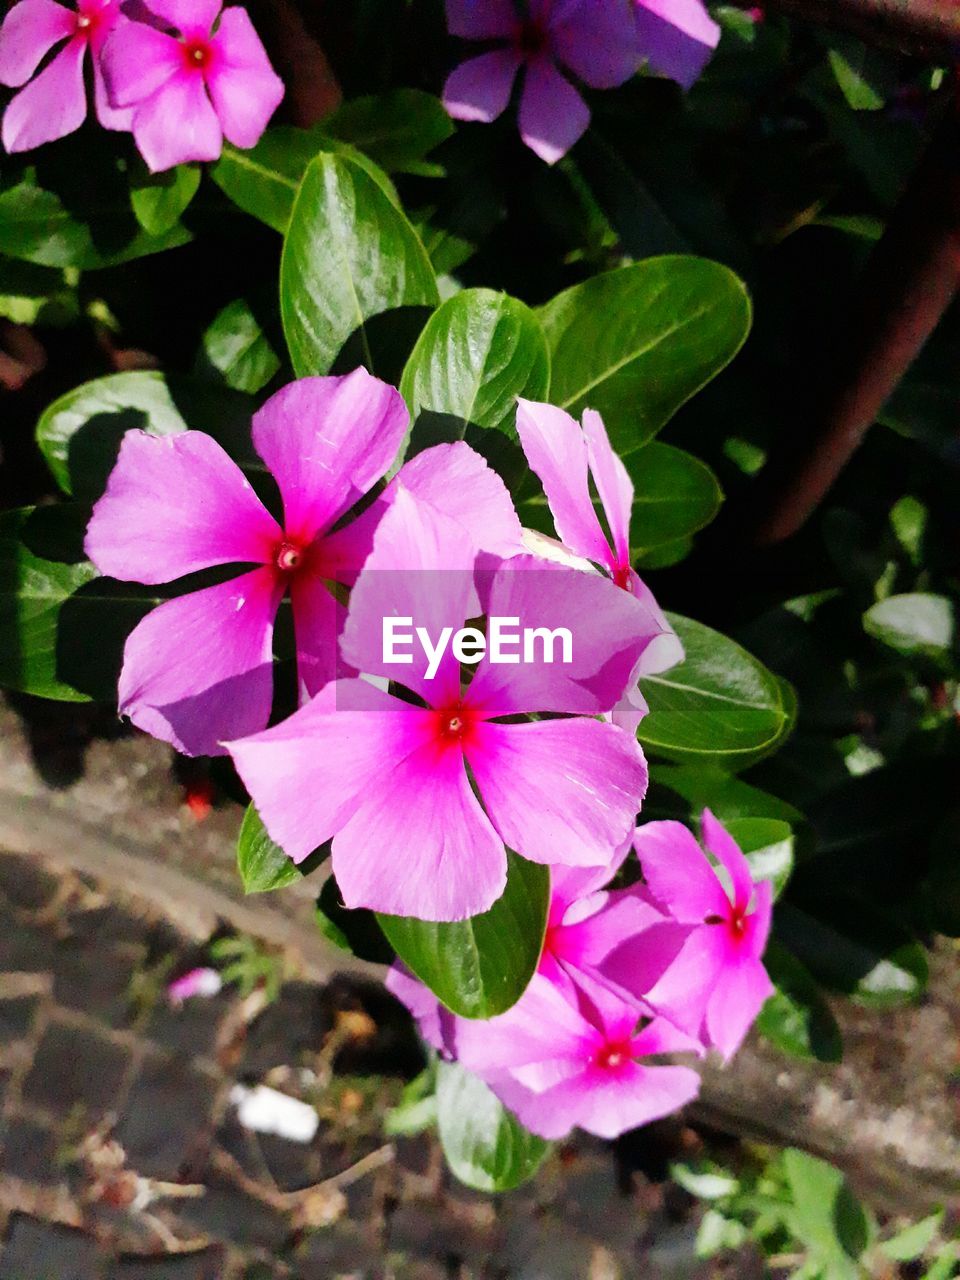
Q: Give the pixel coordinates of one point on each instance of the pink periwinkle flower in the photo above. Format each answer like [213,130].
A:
[54,103]
[677,37]
[596,40]
[190,90]
[566,458]
[386,776]
[203,983]
[559,1063]
[700,965]
[198,670]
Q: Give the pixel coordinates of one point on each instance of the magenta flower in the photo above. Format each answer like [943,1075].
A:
[559,1064]
[701,967]
[595,39]
[199,669]
[191,90]
[386,776]
[564,457]
[54,104]
[677,37]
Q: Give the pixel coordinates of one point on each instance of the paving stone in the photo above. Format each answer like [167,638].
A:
[347,1248]
[25,883]
[96,981]
[208,1265]
[167,1118]
[227,1213]
[38,1250]
[293,1026]
[29,1152]
[16,1019]
[447,1230]
[191,1027]
[76,1068]
[25,948]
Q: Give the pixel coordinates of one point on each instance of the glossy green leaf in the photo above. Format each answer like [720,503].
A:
[768,845]
[160,199]
[485,1146]
[349,256]
[637,343]
[720,705]
[827,1217]
[708,787]
[356,931]
[797,1018]
[914,624]
[263,865]
[263,180]
[477,353]
[396,130]
[237,348]
[480,967]
[80,433]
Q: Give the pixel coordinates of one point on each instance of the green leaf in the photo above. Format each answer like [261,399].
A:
[477,353]
[768,845]
[637,343]
[263,865]
[796,1018]
[356,932]
[160,199]
[417,1108]
[705,1185]
[827,1217]
[913,1241]
[914,624]
[720,705]
[35,295]
[396,129]
[238,349]
[708,787]
[36,226]
[80,433]
[349,256]
[480,967]
[263,181]
[485,1146]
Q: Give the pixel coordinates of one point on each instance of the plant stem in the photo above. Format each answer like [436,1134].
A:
[918,25]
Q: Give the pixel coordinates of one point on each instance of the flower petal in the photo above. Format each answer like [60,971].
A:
[434,1022]
[187,16]
[556,450]
[666,650]
[245,89]
[737,998]
[175,504]
[479,89]
[671,967]
[678,874]
[482,19]
[137,60]
[327,442]
[613,484]
[677,37]
[177,124]
[199,669]
[318,620]
[598,42]
[119,119]
[50,107]
[542,1026]
[559,791]
[29,32]
[726,850]
[553,116]
[420,844]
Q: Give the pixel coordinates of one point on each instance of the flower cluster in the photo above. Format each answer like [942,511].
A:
[179,74]
[602,43]
[669,965]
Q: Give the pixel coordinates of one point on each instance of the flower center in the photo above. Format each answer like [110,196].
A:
[613,1055]
[289,557]
[197,55]
[622,577]
[532,39]
[453,724]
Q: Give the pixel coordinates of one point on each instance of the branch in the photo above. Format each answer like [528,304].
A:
[917,26]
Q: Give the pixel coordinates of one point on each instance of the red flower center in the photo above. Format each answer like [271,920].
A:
[613,1055]
[86,23]
[621,576]
[197,55]
[290,556]
[454,724]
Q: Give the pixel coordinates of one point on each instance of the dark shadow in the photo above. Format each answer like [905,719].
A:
[94,625]
[383,343]
[93,448]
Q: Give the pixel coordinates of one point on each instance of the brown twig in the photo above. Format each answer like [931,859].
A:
[921,26]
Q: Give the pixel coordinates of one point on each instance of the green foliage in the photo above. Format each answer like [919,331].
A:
[484,1145]
[160,199]
[238,350]
[263,865]
[249,965]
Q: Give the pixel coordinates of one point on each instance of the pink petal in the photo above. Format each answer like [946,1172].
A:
[199,669]
[759,922]
[677,37]
[665,651]
[559,791]
[586,943]
[613,484]
[119,119]
[187,16]
[571,885]
[542,1026]
[420,844]
[29,32]
[737,998]
[553,116]
[243,85]
[482,19]
[308,775]
[661,1036]
[50,107]
[678,874]
[434,1022]
[671,967]
[480,88]
[177,124]
[556,450]
[175,504]
[598,42]
[327,442]
[608,633]
[723,847]
[137,60]
[318,619]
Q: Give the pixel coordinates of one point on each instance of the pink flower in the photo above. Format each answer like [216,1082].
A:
[701,966]
[191,90]
[199,669]
[386,776]
[677,37]
[595,39]
[55,103]
[564,457]
[558,1064]
[203,982]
